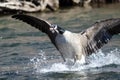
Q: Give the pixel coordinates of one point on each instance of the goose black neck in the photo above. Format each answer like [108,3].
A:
[61,30]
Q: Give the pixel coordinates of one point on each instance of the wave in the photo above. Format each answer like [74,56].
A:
[94,61]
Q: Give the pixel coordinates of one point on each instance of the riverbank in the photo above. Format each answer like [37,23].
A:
[30,6]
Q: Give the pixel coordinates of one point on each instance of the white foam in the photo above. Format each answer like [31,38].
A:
[95,60]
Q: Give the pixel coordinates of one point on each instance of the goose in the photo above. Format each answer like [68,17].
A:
[76,46]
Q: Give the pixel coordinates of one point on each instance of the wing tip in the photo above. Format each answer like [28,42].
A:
[103,20]
[16,15]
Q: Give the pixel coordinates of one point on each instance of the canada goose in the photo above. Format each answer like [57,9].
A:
[76,45]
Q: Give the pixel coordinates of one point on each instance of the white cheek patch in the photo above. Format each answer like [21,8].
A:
[54,29]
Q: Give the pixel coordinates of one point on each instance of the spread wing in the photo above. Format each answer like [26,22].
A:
[40,24]
[99,34]
[43,26]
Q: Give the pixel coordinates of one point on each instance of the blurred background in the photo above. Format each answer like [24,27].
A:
[27,54]
[10,6]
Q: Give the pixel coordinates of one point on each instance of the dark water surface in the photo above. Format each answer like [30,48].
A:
[27,54]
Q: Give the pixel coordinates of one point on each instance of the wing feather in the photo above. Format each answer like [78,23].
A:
[99,34]
[40,24]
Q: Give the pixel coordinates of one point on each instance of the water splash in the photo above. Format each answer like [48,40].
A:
[39,60]
[93,61]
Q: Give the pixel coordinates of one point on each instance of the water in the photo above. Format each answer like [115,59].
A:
[27,54]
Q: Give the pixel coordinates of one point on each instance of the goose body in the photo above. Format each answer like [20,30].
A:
[68,45]
[76,45]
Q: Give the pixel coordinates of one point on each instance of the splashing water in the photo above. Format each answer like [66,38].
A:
[93,61]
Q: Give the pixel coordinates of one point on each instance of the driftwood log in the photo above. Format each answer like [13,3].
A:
[41,5]
[35,5]
[29,5]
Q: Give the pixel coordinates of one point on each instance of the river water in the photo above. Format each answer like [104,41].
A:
[27,53]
